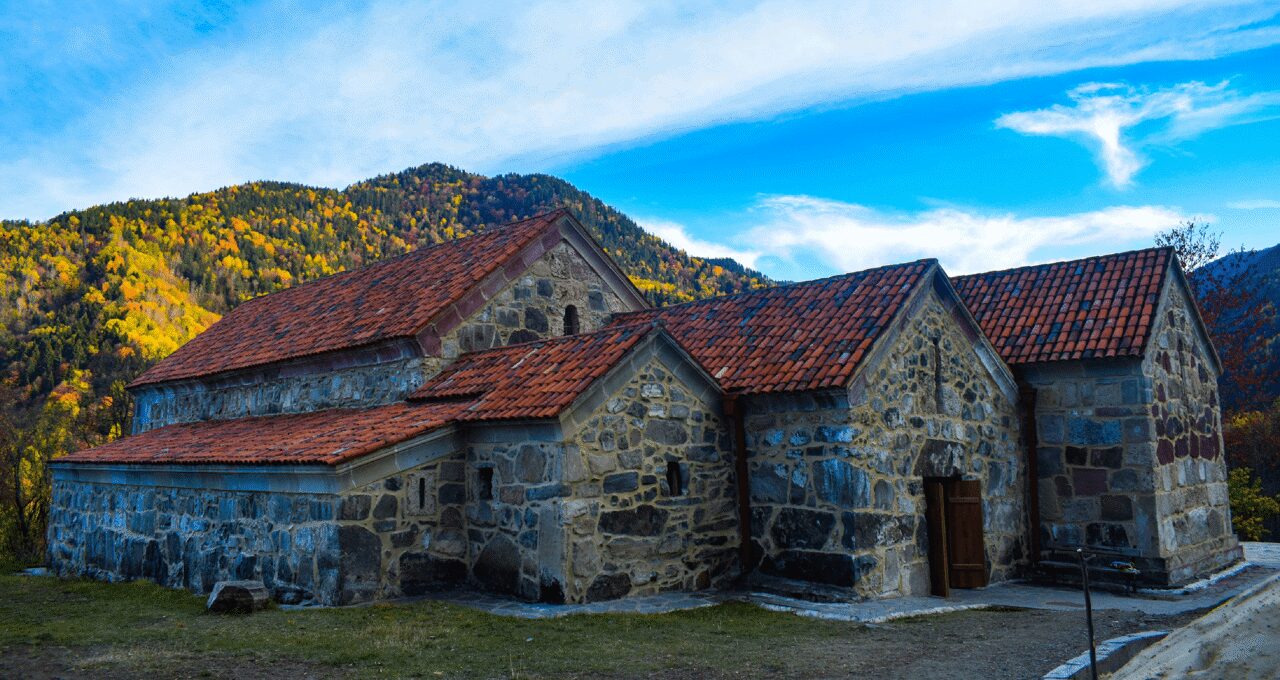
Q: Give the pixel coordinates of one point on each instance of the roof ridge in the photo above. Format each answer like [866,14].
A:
[609,328]
[1063,262]
[780,286]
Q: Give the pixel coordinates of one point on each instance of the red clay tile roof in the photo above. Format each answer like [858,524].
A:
[395,298]
[1082,309]
[532,380]
[802,336]
[323,437]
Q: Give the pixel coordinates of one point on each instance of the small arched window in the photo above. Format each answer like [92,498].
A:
[571,326]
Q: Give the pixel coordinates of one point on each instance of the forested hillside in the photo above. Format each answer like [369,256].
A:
[114,288]
[1259,272]
[92,297]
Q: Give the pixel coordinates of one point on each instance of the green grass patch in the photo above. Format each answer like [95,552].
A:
[144,627]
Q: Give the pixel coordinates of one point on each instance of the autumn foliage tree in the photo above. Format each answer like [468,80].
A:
[30,438]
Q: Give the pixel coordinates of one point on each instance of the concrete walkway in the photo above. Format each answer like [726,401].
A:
[1239,640]
[1262,562]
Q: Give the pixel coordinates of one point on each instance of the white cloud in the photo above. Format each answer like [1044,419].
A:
[677,235]
[849,237]
[1103,114]
[287,92]
[1255,204]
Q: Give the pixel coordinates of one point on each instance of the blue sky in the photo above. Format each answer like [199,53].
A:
[803,138]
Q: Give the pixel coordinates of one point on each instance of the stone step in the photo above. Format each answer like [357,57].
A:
[1058,569]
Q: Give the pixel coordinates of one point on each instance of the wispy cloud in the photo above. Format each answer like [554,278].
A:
[282,91]
[1104,115]
[849,237]
[1255,204]
[677,235]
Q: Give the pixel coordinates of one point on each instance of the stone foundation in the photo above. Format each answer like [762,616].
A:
[191,538]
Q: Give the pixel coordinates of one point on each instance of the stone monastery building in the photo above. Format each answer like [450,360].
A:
[506,412]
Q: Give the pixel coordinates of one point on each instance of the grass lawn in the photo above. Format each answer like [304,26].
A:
[149,629]
[54,628]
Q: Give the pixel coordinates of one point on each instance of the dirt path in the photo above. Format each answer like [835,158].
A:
[1240,640]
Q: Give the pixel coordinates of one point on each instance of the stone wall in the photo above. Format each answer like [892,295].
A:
[837,493]
[1130,453]
[350,380]
[1195,534]
[533,307]
[516,483]
[406,534]
[193,538]
[1094,460]
[654,508]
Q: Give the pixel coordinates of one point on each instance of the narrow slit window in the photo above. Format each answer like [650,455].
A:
[675,479]
[571,326]
[422,493]
[937,377]
[484,484]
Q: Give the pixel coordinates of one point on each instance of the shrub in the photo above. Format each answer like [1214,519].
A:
[1250,508]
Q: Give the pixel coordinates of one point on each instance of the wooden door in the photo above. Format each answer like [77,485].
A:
[966,551]
[935,504]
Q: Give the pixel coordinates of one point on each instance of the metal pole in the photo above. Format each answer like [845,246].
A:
[1088,613]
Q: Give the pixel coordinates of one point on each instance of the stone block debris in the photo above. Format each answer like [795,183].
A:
[237,597]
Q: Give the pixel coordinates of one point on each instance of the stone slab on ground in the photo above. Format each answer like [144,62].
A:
[650,604]
[237,597]
[1219,589]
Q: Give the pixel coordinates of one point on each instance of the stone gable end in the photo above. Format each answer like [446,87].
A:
[837,490]
[652,504]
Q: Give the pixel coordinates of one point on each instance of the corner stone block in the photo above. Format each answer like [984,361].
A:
[608,587]
[644,520]
[1048,461]
[800,528]
[1049,429]
[1088,481]
[836,569]
[769,484]
[498,566]
[361,563]
[841,484]
[355,507]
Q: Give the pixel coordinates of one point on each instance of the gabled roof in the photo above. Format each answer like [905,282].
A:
[1092,308]
[802,336]
[327,437]
[535,379]
[395,298]
[528,381]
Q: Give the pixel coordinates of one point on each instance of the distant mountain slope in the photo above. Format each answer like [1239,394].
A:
[1261,273]
[114,288]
